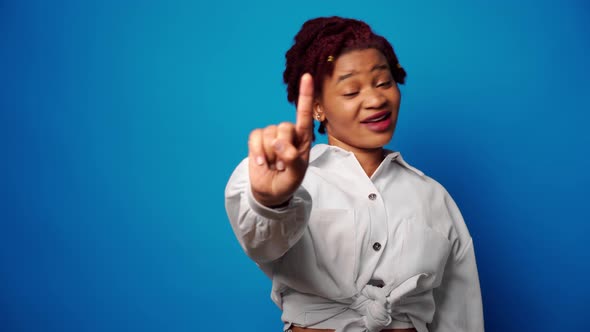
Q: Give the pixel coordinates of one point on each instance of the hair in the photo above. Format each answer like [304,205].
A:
[324,37]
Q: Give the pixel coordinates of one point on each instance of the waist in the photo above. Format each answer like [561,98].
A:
[303,329]
[325,315]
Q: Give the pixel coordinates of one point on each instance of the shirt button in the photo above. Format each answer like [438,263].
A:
[372,196]
[376,246]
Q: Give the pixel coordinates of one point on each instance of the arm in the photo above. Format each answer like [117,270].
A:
[271,176]
[458,298]
[264,233]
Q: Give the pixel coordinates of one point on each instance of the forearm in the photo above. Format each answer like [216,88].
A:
[265,233]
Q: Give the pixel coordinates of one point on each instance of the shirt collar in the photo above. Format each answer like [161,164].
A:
[319,150]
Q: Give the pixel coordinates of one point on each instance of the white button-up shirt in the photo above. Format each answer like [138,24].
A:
[354,253]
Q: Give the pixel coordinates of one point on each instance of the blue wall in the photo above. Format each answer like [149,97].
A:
[121,123]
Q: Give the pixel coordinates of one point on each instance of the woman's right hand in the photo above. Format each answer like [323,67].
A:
[279,155]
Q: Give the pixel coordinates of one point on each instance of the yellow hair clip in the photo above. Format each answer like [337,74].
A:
[331,58]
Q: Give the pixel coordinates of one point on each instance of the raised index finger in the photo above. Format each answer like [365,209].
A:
[304,121]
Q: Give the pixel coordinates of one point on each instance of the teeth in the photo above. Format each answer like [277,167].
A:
[379,118]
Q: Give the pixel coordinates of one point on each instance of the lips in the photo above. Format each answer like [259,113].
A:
[378,122]
[376,117]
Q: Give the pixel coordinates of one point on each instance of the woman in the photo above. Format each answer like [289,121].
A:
[352,236]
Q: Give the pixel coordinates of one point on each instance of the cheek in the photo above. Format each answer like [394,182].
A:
[342,122]
[341,113]
[397,98]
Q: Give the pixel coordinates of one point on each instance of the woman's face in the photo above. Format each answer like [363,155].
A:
[360,102]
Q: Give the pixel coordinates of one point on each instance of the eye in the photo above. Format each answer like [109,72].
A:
[385,84]
[350,94]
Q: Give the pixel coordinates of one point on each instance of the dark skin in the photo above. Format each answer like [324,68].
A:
[360,87]
[279,155]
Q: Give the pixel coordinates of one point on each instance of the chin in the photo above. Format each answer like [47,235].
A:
[377,142]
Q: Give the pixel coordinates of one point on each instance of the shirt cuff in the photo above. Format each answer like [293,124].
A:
[266,212]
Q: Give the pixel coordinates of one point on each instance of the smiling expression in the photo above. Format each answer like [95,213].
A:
[360,101]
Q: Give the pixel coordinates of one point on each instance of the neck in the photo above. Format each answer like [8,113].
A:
[369,159]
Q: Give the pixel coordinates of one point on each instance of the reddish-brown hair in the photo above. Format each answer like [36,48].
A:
[325,37]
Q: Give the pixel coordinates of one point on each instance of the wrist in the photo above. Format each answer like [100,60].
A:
[271,202]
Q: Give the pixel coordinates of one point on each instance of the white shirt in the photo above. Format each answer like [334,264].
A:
[354,253]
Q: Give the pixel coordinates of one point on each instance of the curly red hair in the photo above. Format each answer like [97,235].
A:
[325,37]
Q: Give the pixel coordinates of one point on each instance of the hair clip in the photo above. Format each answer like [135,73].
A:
[331,58]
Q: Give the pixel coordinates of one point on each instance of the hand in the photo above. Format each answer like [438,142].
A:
[279,155]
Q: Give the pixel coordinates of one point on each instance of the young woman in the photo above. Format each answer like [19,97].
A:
[352,236]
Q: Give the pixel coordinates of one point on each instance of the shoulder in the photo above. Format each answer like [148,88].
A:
[438,209]
[416,180]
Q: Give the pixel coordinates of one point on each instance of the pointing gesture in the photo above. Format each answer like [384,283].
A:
[304,125]
[279,154]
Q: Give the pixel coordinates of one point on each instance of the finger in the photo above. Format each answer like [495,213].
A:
[269,134]
[283,145]
[304,122]
[255,149]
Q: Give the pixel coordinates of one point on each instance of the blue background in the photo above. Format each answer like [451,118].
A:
[120,124]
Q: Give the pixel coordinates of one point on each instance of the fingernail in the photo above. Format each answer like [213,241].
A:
[280,165]
[279,146]
[260,161]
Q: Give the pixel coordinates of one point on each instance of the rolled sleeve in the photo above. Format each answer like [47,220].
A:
[264,233]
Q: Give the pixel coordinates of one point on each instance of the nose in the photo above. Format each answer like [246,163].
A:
[375,99]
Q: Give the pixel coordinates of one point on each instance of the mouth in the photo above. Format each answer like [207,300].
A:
[378,122]
[381,116]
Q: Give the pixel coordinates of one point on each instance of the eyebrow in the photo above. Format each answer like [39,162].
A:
[376,67]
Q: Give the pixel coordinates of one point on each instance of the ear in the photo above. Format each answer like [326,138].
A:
[318,113]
